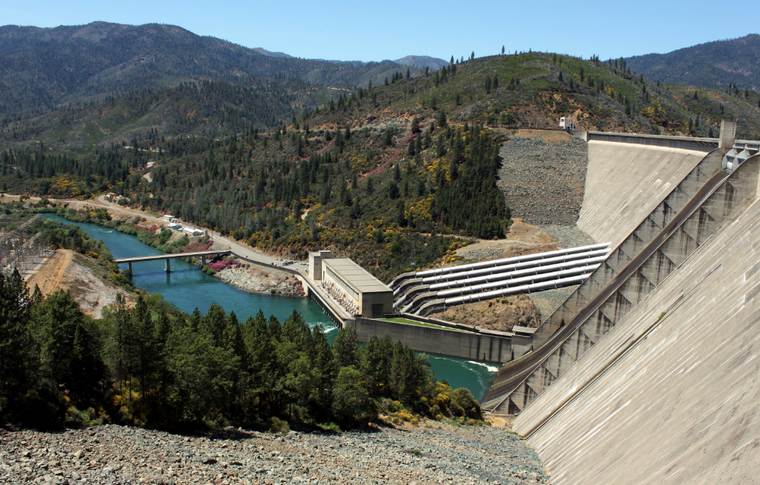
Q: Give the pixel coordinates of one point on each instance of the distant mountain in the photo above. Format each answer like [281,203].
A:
[422,62]
[713,65]
[41,68]
[261,50]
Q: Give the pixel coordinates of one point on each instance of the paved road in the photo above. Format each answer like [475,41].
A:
[519,370]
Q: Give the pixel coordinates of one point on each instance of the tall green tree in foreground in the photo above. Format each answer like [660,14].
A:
[146,363]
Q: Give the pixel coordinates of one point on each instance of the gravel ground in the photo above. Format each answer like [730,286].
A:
[543,182]
[118,454]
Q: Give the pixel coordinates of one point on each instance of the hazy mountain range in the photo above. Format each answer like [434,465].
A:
[43,67]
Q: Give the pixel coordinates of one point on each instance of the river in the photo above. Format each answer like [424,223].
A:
[188,288]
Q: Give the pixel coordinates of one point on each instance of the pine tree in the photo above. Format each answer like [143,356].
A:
[69,350]
[345,348]
[377,366]
[17,351]
[351,400]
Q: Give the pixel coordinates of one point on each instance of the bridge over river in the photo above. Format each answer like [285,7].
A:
[167,257]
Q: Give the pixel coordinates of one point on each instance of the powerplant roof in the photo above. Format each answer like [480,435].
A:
[355,276]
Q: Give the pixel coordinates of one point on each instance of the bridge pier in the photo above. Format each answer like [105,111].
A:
[167,265]
[130,268]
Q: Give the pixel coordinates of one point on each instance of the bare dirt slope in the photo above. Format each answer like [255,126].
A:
[499,314]
[503,313]
[69,271]
[49,276]
[523,238]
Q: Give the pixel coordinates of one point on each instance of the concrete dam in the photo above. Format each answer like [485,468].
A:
[649,371]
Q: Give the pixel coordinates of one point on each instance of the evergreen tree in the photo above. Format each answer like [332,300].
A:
[69,350]
[377,366]
[351,401]
[18,366]
[346,348]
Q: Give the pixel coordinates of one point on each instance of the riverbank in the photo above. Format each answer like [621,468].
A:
[268,282]
[155,233]
[116,454]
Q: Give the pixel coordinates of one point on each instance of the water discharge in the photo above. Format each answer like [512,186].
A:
[188,288]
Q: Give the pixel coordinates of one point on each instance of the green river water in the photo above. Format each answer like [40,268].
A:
[188,288]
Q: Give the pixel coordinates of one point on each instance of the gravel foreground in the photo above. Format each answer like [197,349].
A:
[119,454]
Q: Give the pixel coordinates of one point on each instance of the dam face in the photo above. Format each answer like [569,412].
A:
[652,373]
[625,182]
[670,394]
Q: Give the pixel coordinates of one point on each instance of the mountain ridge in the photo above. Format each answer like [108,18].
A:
[715,64]
[41,68]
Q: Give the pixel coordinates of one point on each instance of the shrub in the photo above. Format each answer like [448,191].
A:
[463,404]
[277,425]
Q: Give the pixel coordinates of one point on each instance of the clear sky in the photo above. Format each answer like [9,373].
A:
[388,29]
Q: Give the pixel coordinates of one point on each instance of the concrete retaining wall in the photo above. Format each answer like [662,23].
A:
[452,343]
[680,142]
[665,241]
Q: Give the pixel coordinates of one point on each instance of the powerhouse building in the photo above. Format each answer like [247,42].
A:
[352,286]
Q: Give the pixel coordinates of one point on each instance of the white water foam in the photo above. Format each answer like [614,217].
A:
[491,368]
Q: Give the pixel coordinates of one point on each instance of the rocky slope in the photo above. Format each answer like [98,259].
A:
[116,454]
[497,314]
[78,274]
[255,280]
[543,175]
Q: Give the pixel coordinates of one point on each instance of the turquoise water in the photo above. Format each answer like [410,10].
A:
[188,288]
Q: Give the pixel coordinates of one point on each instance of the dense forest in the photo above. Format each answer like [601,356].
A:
[207,108]
[298,189]
[151,365]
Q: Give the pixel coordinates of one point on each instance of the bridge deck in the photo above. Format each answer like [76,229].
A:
[158,257]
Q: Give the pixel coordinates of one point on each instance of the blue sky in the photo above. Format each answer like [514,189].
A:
[387,29]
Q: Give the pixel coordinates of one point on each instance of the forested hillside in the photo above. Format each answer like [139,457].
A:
[533,90]
[386,174]
[41,69]
[719,64]
[205,108]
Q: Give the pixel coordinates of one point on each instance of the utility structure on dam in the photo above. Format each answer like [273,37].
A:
[424,292]
[358,300]
[648,372]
